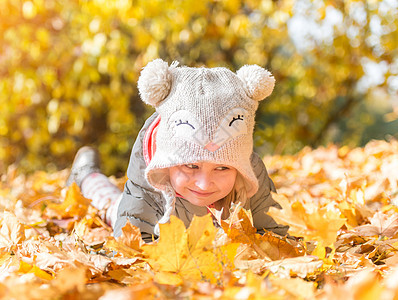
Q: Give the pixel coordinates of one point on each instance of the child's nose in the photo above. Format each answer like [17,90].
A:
[202,181]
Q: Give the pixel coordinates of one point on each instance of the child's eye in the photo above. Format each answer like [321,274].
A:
[191,166]
[222,168]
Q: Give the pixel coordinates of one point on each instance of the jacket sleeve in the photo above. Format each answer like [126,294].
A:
[141,204]
[138,205]
[260,203]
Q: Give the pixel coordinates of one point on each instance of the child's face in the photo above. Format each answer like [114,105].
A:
[203,183]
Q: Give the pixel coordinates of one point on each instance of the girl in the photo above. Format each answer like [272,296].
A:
[194,152]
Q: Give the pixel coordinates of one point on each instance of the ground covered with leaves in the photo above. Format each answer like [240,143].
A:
[340,203]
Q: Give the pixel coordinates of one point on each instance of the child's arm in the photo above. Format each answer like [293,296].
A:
[262,200]
[139,206]
[140,203]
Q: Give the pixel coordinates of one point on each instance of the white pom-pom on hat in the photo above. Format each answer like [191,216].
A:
[259,83]
[155,81]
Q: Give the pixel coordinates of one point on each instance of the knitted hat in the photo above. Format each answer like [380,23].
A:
[207,115]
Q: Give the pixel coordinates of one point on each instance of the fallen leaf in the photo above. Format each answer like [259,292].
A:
[277,247]
[298,266]
[131,237]
[74,205]
[295,287]
[12,232]
[185,254]
[27,268]
[142,291]
[321,225]
[70,279]
[380,225]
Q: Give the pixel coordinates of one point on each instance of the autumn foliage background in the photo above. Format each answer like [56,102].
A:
[68,73]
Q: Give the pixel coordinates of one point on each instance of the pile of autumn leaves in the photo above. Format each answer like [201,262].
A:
[340,203]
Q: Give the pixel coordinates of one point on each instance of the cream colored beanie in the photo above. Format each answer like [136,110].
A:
[207,115]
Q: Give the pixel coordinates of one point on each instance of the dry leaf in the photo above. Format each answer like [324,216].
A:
[27,268]
[299,266]
[12,232]
[142,291]
[380,225]
[131,237]
[74,205]
[184,254]
[321,225]
[90,232]
[70,279]
[327,195]
[277,247]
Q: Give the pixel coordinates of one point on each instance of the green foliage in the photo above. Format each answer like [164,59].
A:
[68,71]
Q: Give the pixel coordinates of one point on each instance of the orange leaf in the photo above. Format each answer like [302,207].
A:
[131,237]
[277,247]
[239,228]
[74,205]
[128,244]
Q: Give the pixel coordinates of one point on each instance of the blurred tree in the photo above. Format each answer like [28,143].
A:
[68,70]
[339,80]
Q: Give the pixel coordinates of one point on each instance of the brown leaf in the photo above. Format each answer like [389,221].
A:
[381,225]
[277,247]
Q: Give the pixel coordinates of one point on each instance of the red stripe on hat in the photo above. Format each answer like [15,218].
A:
[149,143]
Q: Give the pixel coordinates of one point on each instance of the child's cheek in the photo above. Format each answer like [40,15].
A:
[183,178]
[180,179]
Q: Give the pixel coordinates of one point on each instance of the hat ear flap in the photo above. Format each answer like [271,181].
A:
[155,81]
[259,83]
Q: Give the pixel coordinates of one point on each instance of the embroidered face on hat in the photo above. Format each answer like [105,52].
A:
[207,115]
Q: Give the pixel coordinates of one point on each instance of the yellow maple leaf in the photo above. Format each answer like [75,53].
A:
[239,228]
[74,205]
[321,224]
[184,255]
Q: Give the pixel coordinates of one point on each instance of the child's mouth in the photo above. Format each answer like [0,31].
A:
[201,194]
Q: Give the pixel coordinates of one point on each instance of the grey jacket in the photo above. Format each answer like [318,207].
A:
[142,205]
